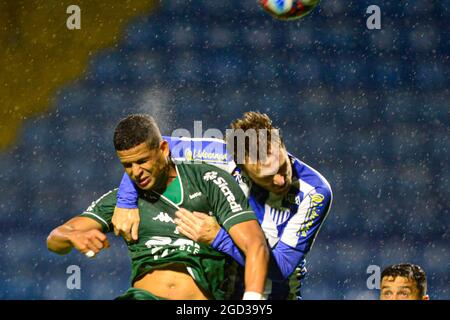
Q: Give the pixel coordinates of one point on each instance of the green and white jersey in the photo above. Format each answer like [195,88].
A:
[200,187]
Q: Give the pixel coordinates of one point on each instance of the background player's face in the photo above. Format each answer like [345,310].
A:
[399,288]
[274,174]
[147,167]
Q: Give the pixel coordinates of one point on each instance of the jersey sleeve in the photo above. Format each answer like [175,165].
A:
[228,202]
[300,232]
[102,210]
[127,195]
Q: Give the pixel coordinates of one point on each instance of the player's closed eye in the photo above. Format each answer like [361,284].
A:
[142,161]
[139,162]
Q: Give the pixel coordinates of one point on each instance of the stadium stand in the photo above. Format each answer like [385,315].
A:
[370,110]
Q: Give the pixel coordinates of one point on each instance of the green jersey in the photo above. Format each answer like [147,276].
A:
[202,188]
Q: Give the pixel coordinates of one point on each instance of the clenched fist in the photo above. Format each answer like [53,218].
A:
[85,241]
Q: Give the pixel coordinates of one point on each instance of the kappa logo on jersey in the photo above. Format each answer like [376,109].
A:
[223,185]
[195,195]
[163,217]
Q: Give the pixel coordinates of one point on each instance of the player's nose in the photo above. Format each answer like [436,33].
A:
[136,170]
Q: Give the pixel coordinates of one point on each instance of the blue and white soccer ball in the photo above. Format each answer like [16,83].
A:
[288,9]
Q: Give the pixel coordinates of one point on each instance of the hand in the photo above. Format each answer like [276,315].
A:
[92,240]
[126,223]
[300,272]
[197,226]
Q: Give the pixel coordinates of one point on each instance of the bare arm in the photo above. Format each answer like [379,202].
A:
[81,233]
[249,237]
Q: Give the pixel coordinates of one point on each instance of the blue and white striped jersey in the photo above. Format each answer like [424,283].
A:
[290,223]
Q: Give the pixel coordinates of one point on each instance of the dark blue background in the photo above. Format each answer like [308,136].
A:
[367,108]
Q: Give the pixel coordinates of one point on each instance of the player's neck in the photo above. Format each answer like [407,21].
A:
[172,173]
[169,176]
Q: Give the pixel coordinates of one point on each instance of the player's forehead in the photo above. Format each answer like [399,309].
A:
[138,152]
[269,164]
[397,282]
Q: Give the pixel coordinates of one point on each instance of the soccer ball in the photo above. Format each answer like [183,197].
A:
[288,9]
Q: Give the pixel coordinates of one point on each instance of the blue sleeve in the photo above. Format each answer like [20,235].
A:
[284,258]
[297,239]
[223,243]
[127,196]
[283,261]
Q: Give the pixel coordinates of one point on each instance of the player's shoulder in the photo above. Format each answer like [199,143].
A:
[310,178]
[201,168]
[107,196]
[107,199]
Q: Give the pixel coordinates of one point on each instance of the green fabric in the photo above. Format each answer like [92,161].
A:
[205,188]
[173,191]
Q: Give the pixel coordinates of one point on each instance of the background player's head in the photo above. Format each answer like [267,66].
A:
[270,169]
[403,282]
[142,151]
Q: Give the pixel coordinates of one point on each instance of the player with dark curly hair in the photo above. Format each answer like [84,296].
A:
[403,282]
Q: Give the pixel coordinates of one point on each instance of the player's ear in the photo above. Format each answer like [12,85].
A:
[164,147]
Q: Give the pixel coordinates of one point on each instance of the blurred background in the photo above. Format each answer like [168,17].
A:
[369,109]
